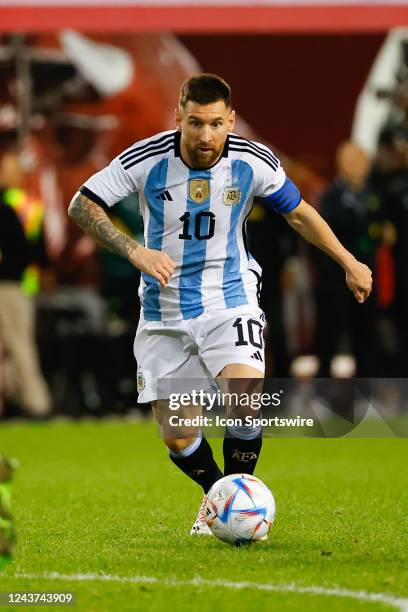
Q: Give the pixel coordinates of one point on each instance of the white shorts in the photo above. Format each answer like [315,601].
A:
[197,348]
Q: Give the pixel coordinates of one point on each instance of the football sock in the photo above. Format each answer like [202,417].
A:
[241,450]
[197,462]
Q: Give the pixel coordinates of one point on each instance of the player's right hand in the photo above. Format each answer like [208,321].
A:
[152,262]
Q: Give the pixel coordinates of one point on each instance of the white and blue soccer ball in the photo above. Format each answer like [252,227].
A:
[240,509]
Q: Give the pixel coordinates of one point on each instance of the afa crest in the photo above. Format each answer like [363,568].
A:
[232,195]
[199,190]
[141,383]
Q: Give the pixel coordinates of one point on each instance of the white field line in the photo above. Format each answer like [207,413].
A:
[397,603]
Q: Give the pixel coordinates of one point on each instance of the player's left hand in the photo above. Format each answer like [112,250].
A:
[359,280]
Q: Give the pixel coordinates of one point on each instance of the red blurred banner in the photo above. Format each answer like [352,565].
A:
[205,16]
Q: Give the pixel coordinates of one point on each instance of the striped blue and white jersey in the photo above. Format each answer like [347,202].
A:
[197,217]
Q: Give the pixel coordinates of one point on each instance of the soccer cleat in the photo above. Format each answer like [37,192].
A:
[200,526]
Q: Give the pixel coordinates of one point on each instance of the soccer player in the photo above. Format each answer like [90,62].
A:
[200,315]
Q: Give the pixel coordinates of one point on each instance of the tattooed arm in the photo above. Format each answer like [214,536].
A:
[96,223]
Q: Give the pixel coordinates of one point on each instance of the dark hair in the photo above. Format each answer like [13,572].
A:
[205,89]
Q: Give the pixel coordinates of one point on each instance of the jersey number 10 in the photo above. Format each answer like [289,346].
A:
[200,232]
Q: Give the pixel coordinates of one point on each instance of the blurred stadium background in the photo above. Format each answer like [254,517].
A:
[325,85]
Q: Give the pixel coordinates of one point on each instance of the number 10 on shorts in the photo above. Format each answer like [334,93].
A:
[252,330]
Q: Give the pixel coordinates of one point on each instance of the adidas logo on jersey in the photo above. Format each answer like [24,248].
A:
[165,195]
[257,356]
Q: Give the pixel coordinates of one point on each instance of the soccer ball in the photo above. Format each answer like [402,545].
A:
[240,509]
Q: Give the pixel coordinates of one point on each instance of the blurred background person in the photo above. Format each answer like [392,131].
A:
[381,127]
[390,178]
[21,377]
[354,212]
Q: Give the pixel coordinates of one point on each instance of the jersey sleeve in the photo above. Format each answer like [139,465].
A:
[274,188]
[110,185]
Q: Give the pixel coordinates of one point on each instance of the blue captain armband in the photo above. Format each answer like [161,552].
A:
[286,199]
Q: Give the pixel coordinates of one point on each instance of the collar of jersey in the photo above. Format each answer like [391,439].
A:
[177,152]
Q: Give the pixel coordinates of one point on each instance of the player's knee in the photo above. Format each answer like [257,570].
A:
[177,445]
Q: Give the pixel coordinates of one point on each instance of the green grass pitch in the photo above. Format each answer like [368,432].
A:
[102,498]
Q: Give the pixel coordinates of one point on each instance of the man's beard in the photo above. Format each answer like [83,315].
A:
[200,160]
